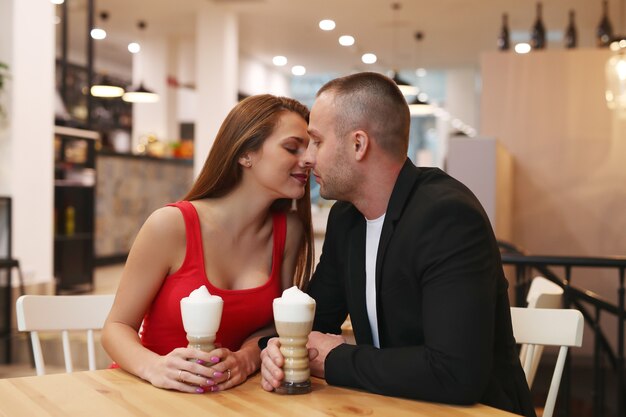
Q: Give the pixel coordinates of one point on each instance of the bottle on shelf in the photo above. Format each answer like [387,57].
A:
[70,220]
[538,32]
[604,32]
[571,34]
[503,38]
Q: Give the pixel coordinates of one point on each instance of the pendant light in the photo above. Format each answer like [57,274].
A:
[105,88]
[615,70]
[419,106]
[140,93]
[405,88]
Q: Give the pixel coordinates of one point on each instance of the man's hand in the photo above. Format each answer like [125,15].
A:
[320,345]
[271,365]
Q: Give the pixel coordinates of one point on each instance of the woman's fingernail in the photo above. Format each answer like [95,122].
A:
[217,374]
[200,361]
[214,388]
[215,359]
[200,390]
[210,382]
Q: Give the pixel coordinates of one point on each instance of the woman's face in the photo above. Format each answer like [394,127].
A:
[279,165]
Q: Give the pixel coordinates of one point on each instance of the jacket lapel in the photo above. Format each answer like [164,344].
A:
[358,309]
[399,197]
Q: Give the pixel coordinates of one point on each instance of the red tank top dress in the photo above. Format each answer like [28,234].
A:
[245,311]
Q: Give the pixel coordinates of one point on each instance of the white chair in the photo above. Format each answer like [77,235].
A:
[548,327]
[542,294]
[62,313]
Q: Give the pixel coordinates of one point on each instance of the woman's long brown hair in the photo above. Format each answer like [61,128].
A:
[244,130]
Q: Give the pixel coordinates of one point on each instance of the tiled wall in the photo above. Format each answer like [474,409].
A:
[128,189]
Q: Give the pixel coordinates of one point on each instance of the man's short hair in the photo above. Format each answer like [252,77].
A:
[374,103]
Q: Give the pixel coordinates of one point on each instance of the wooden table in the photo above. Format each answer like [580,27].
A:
[117,393]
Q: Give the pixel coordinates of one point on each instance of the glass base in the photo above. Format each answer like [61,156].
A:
[292,388]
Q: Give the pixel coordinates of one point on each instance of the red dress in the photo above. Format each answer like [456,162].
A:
[245,311]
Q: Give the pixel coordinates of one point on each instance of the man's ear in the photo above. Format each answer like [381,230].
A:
[361,141]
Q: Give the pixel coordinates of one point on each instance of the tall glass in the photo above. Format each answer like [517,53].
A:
[294,322]
[201,320]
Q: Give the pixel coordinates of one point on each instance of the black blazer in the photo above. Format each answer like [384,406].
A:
[443,312]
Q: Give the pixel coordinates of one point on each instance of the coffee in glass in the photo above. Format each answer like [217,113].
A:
[293,317]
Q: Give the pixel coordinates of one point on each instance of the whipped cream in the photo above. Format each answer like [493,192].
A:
[294,306]
[201,312]
[202,294]
[294,295]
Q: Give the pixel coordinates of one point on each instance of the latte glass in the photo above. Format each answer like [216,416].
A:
[294,322]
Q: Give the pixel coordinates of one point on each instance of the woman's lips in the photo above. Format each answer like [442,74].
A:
[303,178]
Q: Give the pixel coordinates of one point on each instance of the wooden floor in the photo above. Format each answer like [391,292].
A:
[106,280]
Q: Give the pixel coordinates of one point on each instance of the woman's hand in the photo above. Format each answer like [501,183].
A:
[231,368]
[183,369]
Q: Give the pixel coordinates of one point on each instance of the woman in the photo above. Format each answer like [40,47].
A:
[233,230]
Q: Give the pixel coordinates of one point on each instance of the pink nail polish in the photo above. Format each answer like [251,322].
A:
[200,361]
[217,374]
[215,359]
[210,382]
[200,390]
[214,388]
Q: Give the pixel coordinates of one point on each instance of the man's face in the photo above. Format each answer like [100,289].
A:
[329,155]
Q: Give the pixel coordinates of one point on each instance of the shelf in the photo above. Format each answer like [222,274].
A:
[71,183]
[74,237]
[74,208]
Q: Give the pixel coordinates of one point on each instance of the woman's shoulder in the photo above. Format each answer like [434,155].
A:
[165,222]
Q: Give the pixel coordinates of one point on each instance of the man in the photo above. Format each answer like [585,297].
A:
[410,255]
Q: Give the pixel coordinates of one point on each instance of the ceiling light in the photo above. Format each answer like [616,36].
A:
[368,58]
[346,40]
[522,48]
[57,1]
[140,94]
[327,24]
[106,89]
[98,33]
[279,60]
[420,107]
[134,47]
[298,70]
[405,88]
[421,72]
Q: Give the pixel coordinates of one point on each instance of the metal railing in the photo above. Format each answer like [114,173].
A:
[591,305]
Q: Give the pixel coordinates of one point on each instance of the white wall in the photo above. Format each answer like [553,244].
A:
[6,27]
[217,46]
[150,66]
[257,78]
[462,95]
[27,140]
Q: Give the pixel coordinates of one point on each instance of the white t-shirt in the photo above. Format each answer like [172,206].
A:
[372,239]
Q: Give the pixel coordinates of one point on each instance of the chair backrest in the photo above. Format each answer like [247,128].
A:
[548,327]
[541,294]
[544,294]
[62,313]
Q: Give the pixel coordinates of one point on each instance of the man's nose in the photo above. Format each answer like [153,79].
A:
[308,157]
